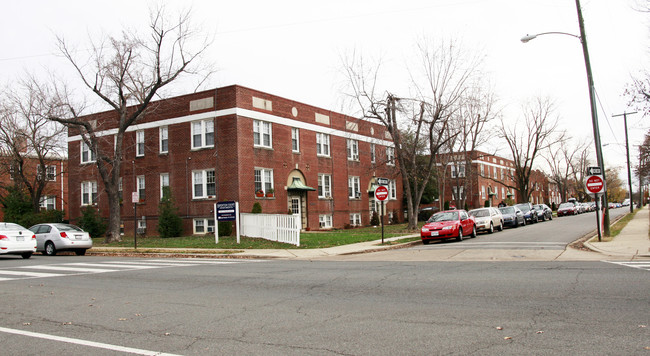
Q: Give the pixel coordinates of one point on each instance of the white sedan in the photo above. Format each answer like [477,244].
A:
[52,238]
[16,240]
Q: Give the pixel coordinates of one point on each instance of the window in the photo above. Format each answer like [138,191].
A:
[142,227]
[482,192]
[262,134]
[141,191]
[322,144]
[482,169]
[461,169]
[324,186]
[50,172]
[503,193]
[355,219]
[88,192]
[372,152]
[202,134]
[164,182]
[87,155]
[390,156]
[353,150]
[457,192]
[203,226]
[295,139]
[139,143]
[392,189]
[453,170]
[263,179]
[325,221]
[164,139]
[48,202]
[203,184]
[354,188]
[119,189]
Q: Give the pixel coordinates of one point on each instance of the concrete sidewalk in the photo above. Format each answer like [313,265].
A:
[631,242]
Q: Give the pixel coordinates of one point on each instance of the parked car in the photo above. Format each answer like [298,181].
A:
[16,240]
[567,209]
[543,212]
[52,238]
[512,216]
[487,219]
[448,224]
[530,214]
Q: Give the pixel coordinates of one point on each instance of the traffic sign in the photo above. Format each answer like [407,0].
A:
[382,181]
[594,171]
[381,193]
[595,184]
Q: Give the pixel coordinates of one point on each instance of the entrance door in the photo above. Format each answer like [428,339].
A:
[297,208]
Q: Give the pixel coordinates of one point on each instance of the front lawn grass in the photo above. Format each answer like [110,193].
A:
[308,239]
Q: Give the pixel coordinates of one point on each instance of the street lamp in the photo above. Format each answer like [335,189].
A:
[592,100]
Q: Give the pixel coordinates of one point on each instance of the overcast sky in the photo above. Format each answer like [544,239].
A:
[294,48]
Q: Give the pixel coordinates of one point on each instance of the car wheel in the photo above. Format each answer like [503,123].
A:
[26,255]
[425,242]
[460,235]
[491,228]
[50,250]
[80,252]
[501,226]
[550,217]
[474,234]
[523,223]
[544,217]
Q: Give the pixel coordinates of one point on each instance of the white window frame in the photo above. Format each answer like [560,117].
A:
[355,219]
[204,176]
[353,150]
[262,134]
[322,144]
[372,153]
[461,169]
[324,186]
[142,226]
[164,178]
[139,143]
[204,131]
[263,178]
[325,221]
[163,134]
[206,224]
[354,187]
[392,189]
[295,139]
[48,200]
[390,156]
[141,188]
[91,158]
[453,170]
[89,191]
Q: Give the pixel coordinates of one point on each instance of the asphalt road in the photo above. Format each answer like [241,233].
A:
[213,307]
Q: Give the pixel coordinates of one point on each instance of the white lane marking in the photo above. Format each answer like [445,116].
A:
[8,279]
[99,345]
[72,269]
[155,264]
[634,264]
[111,265]
[31,274]
[204,261]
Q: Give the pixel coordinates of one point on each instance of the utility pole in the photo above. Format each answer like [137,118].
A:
[627,152]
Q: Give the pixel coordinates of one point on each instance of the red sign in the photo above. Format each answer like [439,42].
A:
[595,184]
[381,193]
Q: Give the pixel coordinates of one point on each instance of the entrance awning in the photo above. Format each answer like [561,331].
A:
[297,184]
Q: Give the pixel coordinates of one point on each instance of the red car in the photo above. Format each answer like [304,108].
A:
[448,224]
[567,209]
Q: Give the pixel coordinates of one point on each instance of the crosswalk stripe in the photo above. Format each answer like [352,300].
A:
[203,261]
[30,274]
[7,279]
[644,265]
[153,264]
[125,266]
[71,269]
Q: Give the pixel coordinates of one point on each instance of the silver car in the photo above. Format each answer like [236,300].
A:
[487,219]
[16,240]
[52,238]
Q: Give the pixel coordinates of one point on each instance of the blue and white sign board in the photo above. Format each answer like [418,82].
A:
[226,211]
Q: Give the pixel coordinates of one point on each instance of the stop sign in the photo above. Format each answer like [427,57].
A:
[595,184]
[381,193]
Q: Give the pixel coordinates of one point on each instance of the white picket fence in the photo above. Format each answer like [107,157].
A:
[275,227]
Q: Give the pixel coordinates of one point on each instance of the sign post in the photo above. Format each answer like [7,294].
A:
[135,198]
[381,193]
[226,211]
[596,188]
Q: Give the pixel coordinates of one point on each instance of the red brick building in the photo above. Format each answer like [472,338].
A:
[55,193]
[235,143]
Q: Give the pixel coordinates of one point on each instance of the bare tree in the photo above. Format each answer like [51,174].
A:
[566,163]
[28,141]
[527,142]
[126,73]
[445,72]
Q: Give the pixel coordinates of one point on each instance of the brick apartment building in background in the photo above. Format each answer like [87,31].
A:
[55,193]
[236,143]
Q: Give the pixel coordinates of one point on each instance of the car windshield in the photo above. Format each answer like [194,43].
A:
[444,216]
[507,210]
[480,213]
[566,205]
[66,227]
[524,208]
[11,226]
